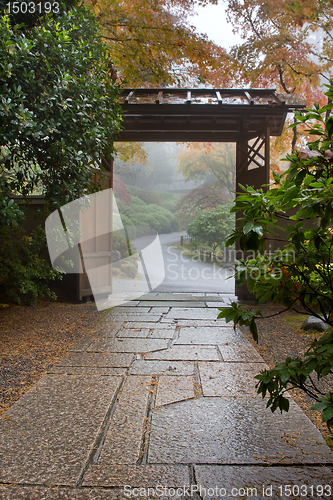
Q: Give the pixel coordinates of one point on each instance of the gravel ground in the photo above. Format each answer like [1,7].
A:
[281,337]
[32,339]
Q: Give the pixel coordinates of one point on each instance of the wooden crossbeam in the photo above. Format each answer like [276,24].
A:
[252,152]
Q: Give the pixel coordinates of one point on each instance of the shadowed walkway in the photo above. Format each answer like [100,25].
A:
[159,401]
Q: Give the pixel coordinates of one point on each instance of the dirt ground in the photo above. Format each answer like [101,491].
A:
[281,337]
[32,339]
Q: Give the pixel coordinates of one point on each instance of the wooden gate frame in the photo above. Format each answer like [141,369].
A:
[247,117]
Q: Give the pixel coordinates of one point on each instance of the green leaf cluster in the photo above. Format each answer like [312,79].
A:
[58,117]
[212,227]
[24,272]
[241,317]
[58,111]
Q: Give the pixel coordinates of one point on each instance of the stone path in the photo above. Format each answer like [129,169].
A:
[158,401]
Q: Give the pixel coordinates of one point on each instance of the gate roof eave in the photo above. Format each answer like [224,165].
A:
[196,115]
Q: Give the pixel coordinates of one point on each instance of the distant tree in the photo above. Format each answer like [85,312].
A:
[213,227]
[197,200]
[152,43]
[213,162]
[286,45]
[147,165]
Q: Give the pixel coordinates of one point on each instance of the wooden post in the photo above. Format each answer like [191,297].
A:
[246,156]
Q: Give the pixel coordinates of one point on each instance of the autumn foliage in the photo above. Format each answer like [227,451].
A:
[152,43]
[120,190]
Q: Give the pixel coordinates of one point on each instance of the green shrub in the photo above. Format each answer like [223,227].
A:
[131,189]
[137,203]
[119,243]
[212,227]
[24,273]
[139,213]
[148,196]
[166,195]
[129,268]
[170,204]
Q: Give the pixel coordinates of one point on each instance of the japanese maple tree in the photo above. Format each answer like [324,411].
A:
[152,43]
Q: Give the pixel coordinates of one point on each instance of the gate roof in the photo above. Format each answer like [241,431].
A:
[200,115]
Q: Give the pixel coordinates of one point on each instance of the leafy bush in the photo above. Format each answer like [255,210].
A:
[57,110]
[300,276]
[120,243]
[169,201]
[131,189]
[139,213]
[148,196]
[58,114]
[212,227]
[170,204]
[120,191]
[24,273]
[137,204]
[10,212]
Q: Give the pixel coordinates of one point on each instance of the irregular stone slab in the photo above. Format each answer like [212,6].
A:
[229,379]
[162,309]
[244,353]
[108,328]
[93,359]
[172,389]
[85,343]
[172,303]
[234,431]
[145,324]
[216,303]
[188,353]
[46,436]
[202,322]
[192,313]
[161,333]
[133,333]
[128,345]
[142,367]
[58,493]
[123,440]
[137,476]
[138,317]
[88,370]
[123,310]
[175,296]
[132,303]
[210,335]
[262,482]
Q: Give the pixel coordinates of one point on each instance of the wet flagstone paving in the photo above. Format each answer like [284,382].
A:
[159,401]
